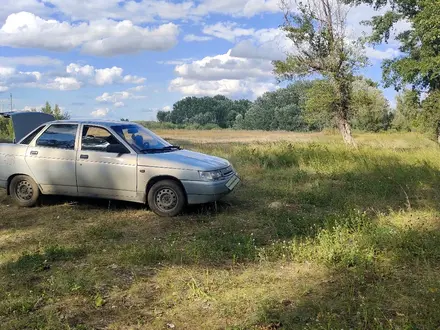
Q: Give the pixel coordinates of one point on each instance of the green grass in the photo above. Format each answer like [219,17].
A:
[318,236]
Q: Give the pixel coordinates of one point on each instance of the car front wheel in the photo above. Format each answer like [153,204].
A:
[24,191]
[166,198]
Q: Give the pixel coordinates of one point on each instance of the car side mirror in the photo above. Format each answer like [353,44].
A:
[117,149]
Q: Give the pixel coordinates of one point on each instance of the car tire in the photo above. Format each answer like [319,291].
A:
[166,198]
[24,191]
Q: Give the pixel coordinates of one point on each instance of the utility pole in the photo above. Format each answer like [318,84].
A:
[11,101]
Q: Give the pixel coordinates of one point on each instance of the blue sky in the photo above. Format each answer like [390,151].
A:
[129,59]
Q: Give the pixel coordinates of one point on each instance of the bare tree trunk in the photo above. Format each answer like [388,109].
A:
[438,133]
[345,130]
[343,85]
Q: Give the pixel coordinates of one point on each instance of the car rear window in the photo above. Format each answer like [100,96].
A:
[60,136]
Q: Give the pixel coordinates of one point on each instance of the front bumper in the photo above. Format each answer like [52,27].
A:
[202,192]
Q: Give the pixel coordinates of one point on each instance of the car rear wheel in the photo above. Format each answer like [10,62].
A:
[166,198]
[24,191]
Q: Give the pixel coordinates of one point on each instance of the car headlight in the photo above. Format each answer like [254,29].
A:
[211,175]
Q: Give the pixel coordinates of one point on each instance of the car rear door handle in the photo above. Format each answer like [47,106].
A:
[34,153]
[84,156]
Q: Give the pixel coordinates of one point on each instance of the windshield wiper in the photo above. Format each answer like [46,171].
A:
[167,148]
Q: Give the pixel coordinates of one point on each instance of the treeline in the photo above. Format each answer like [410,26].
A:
[302,106]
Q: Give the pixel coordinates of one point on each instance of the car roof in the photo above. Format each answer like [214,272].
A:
[106,123]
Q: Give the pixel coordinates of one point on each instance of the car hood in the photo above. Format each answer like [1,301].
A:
[25,122]
[183,159]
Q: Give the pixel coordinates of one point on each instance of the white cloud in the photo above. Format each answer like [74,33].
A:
[245,8]
[102,37]
[117,97]
[226,75]
[137,88]
[78,70]
[29,61]
[167,108]
[144,11]
[108,76]
[100,112]
[228,87]
[193,37]
[270,44]
[12,6]
[228,31]
[10,77]
[225,67]
[377,54]
[64,84]
[102,77]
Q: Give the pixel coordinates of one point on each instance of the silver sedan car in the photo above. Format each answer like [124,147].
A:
[107,159]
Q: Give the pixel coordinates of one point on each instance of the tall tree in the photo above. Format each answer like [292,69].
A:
[317,30]
[418,64]
[408,108]
[56,112]
[279,110]
[47,108]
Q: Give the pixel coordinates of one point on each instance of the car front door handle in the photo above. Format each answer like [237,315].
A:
[84,156]
[34,153]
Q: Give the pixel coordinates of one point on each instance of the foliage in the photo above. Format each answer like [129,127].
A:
[418,63]
[56,112]
[369,109]
[279,110]
[419,43]
[6,129]
[430,115]
[407,115]
[320,47]
[217,110]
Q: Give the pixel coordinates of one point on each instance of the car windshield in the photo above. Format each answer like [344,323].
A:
[141,139]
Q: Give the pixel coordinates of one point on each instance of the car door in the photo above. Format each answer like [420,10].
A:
[52,159]
[106,168]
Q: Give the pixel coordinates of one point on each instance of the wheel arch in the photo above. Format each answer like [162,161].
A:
[159,178]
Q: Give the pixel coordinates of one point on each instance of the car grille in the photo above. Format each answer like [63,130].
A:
[227,171]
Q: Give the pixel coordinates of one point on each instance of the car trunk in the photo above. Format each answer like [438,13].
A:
[25,122]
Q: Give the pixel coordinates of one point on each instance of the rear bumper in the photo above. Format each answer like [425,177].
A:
[202,192]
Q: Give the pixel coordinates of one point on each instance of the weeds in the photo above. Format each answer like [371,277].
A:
[316,237]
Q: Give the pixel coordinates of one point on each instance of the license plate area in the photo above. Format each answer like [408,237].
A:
[233,182]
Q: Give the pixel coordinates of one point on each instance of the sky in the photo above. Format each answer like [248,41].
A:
[129,59]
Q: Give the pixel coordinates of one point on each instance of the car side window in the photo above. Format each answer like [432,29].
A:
[28,139]
[61,136]
[98,139]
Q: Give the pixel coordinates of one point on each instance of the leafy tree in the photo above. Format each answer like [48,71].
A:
[418,65]
[47,109]
[370,109]
[430,115]
[320,47]
[56,112]
[407,114]
[163,116]
[279,110]
[217,110]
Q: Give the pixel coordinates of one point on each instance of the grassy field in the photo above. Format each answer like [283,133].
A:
[317,237]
